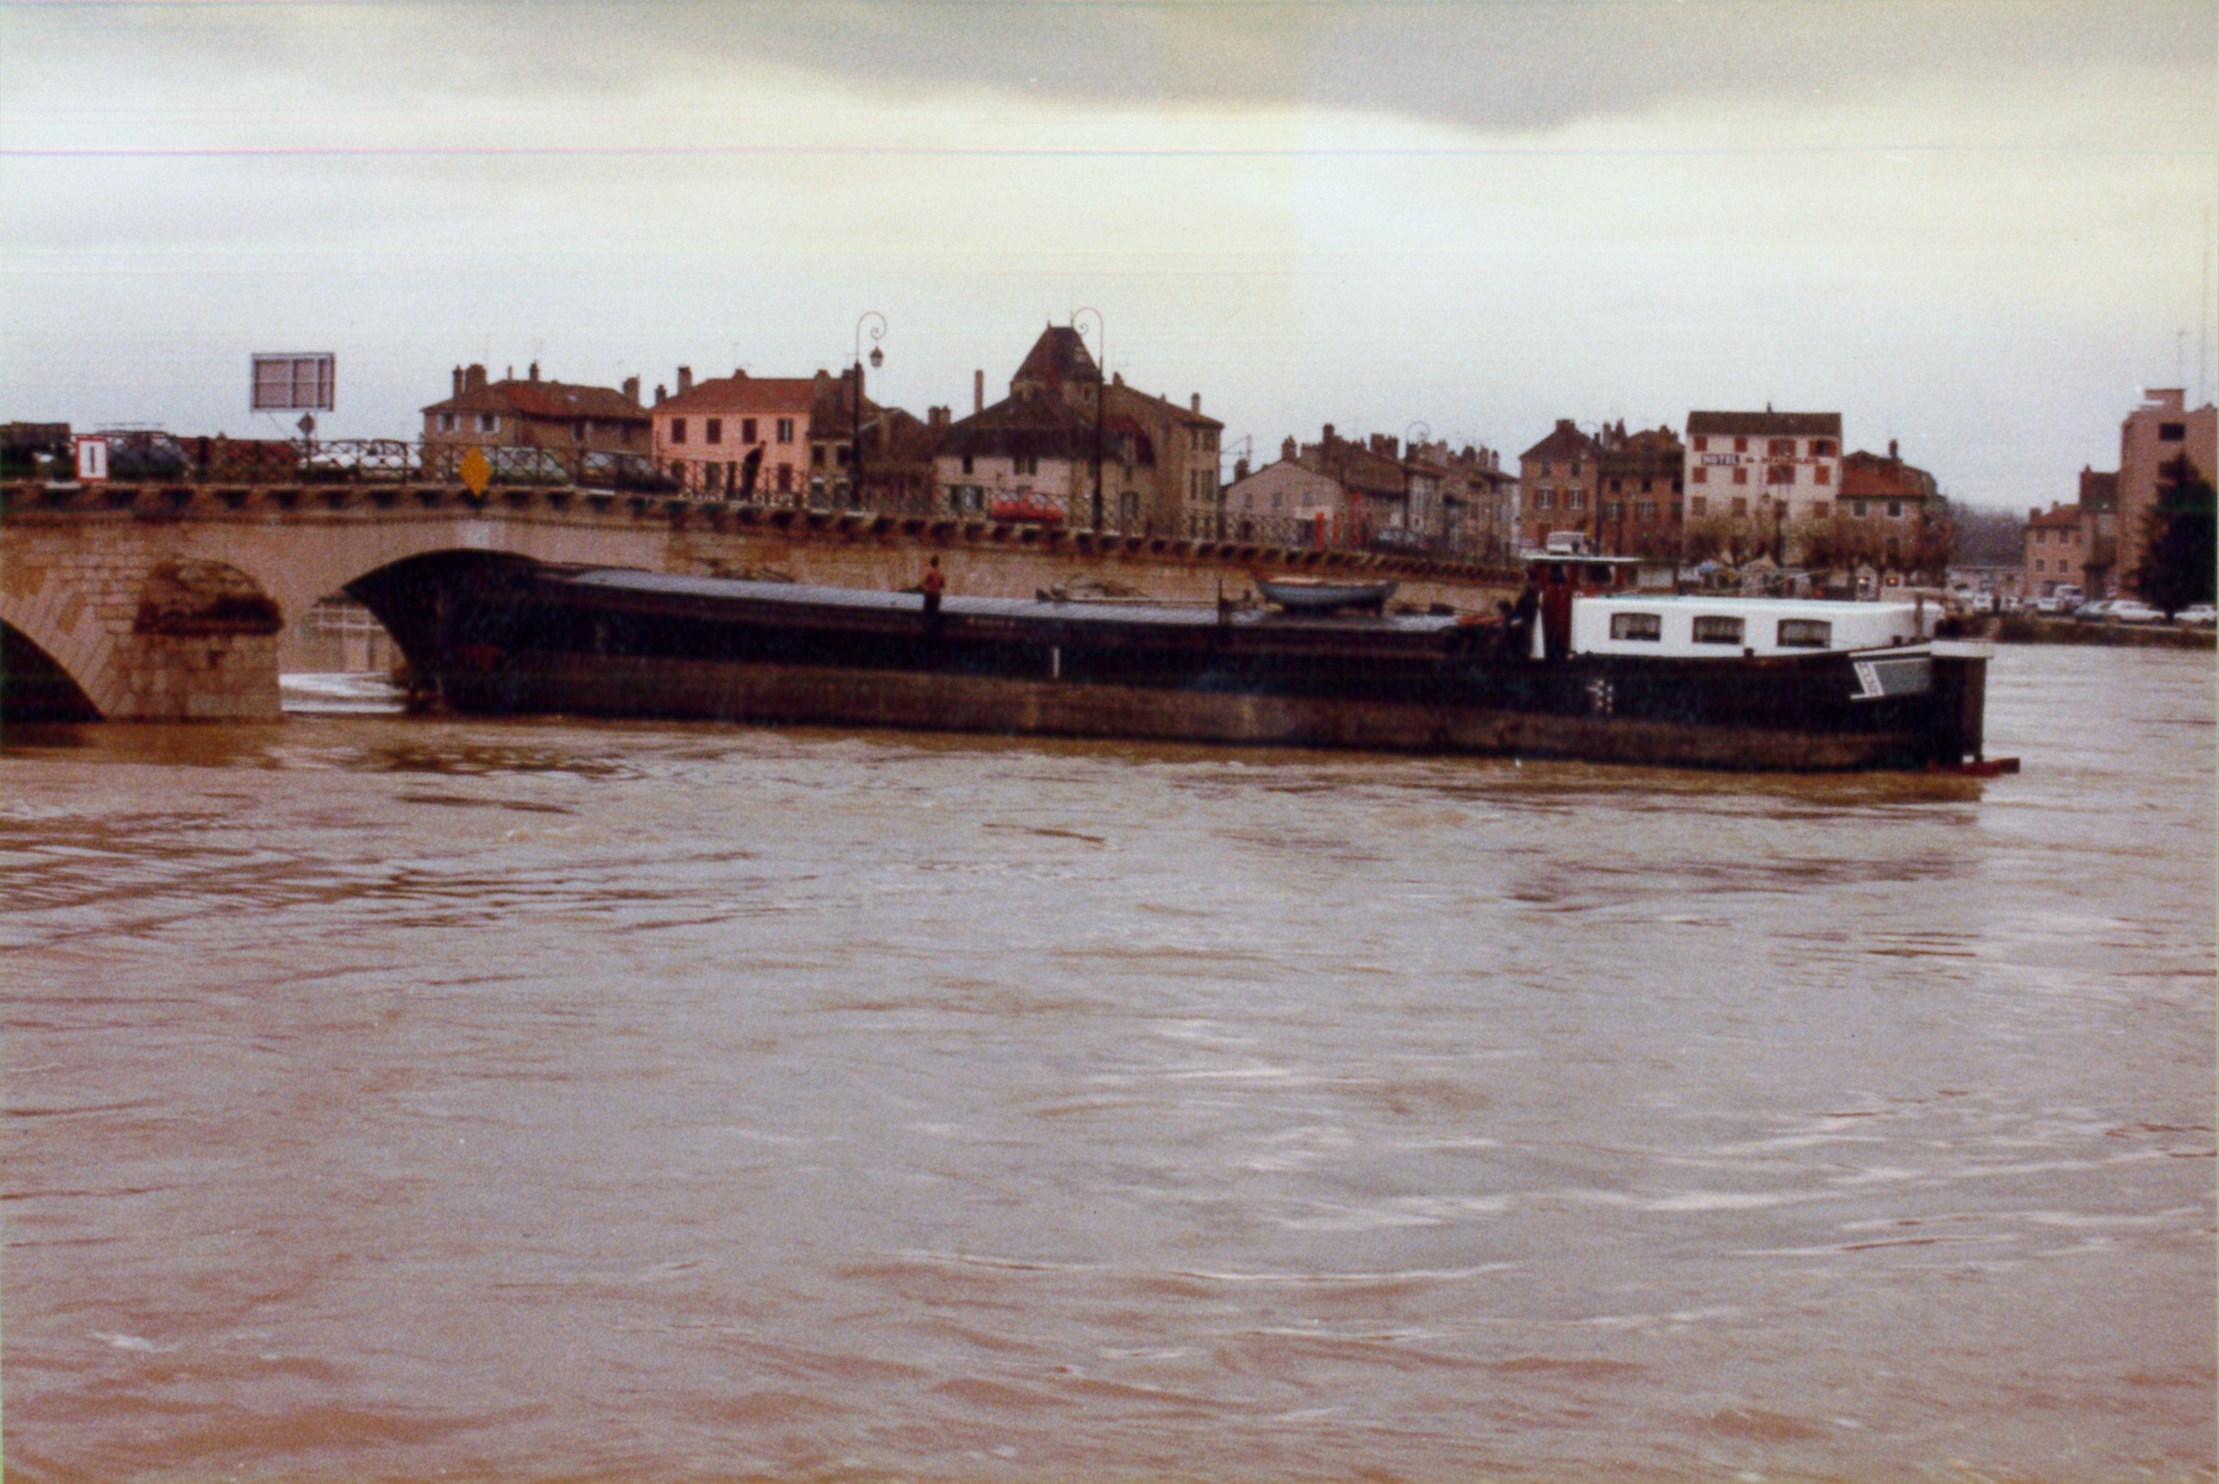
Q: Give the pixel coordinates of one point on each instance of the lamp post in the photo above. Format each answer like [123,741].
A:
[1101,396]
[855,419]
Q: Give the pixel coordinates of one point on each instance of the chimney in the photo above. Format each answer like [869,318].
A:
[685,380]
[1194,402]
[1891,450]
[1240,470]
[458,381]
[631,389]
[1287,449]
[936,418]
[2033,512]
[660,394]
[508,373]
[1117,378]
[473,380]
[1328,433]
[978,391]
[535,370]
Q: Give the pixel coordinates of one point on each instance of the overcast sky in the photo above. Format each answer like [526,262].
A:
[1978,228]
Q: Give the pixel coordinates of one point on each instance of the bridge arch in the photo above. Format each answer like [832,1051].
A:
[175,638]
[34,686]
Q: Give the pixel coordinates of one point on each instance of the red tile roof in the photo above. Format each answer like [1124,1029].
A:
[759,394]
[1565,442]
[558,400]
[1766,424]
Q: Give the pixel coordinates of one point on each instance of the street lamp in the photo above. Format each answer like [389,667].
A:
[855,418]
[1101,396]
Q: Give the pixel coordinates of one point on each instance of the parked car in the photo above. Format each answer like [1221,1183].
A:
[1023,507]
[2202,615]
[2133,610]
[138,454]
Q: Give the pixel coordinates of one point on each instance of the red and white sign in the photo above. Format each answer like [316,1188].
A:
[92,459]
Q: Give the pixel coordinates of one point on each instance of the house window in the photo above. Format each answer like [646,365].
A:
[967,465]
[2172,432]
[747,430]
[1825,474]
[1781,448]
[2041,565]
[1741,507]
[1575,499]
[1646,626]
[1818,510]
[678,430]
[1779,474]
[715,433]
[1859,509]
[1645,510]
[1614,510]
[785,478]
[785,430]
[1544,499]
[1741,476]
[1741,445]
[1805,633]
[1895,510]
[1822,448]
[1712,629]
[1701,443]
[816,455]
[578,431]
[1702,475]
[446,422]
[489,422]
[1697,505]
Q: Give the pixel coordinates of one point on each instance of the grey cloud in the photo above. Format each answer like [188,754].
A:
[1498,65]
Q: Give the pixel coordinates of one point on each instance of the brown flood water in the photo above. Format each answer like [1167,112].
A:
[403,1098]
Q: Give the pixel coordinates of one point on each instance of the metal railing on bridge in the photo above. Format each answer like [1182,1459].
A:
[391,463]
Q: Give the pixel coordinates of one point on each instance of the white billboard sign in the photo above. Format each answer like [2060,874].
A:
[92,459]
[294,383]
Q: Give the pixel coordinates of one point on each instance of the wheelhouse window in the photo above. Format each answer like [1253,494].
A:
[1647,626]
[1805,633]
[1711,628]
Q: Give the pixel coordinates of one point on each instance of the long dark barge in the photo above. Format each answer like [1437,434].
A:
[1803,694]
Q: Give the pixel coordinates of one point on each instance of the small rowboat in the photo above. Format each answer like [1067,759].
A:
[1321,595]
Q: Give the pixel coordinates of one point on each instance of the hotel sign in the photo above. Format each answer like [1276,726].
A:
[294,382]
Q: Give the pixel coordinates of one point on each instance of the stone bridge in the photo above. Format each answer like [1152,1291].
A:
[154,602]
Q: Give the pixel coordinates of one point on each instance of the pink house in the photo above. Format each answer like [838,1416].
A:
[739,436]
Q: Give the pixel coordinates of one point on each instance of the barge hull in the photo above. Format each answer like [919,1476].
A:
[727,691]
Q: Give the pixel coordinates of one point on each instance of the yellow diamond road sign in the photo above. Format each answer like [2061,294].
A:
[475,471]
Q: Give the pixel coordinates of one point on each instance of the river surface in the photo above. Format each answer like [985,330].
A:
[412,1098]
